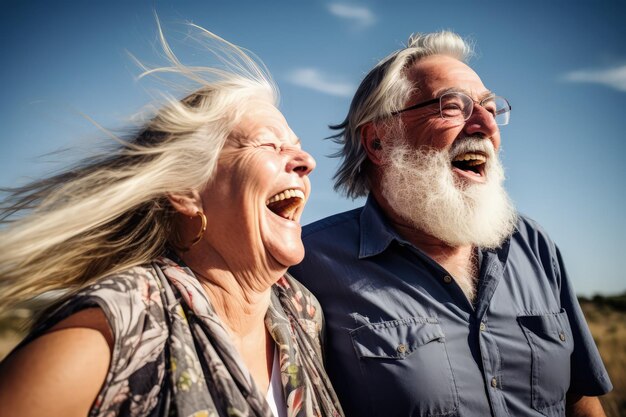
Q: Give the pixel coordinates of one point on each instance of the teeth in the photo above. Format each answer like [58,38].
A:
[286,194]
[476,158]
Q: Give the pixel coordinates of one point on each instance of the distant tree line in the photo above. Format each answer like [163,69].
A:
[615,302]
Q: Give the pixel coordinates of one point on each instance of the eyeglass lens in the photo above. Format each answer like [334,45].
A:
[458,107]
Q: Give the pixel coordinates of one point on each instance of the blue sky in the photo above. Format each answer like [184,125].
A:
[561,64]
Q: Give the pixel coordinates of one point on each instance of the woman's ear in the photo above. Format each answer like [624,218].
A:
[186,203]
[371,142]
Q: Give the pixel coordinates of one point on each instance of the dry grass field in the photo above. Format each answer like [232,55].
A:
[606,317]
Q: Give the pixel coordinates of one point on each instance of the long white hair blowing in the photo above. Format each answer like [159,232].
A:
[110,211]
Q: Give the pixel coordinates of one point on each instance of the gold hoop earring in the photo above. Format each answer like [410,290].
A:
[202,229]
[198,237]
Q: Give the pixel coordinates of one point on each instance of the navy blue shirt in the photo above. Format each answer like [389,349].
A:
[403,340]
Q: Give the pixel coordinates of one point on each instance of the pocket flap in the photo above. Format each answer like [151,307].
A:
[395,339]
[552,326]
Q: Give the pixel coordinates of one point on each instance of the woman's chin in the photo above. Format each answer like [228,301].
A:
[286,255]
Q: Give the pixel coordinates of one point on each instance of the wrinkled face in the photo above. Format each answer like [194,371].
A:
[424,127]
[258,193]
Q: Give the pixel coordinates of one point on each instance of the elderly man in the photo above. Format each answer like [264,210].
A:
[440,299]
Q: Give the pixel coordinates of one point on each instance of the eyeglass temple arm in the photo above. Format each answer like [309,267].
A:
[416,106]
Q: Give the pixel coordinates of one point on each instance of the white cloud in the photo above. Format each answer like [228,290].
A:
[360,15]
[315,80]
[611,77]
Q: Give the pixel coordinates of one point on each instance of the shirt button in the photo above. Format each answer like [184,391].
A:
[482,326]
[401,348]
[447,279]
[494,382]
[562,336]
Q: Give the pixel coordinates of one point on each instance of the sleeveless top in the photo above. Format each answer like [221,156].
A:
[173,357]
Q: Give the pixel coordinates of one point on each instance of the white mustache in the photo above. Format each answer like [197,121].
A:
[472,144]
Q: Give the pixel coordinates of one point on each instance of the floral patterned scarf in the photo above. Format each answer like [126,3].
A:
[173,356]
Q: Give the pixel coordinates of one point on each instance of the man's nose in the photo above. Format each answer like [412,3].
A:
[482,123]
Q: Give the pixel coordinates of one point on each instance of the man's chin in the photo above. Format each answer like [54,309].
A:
[428,194]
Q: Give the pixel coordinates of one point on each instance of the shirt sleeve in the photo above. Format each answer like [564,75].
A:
[588,374]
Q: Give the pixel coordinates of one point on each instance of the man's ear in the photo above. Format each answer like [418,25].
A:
[186,203]
[371,142]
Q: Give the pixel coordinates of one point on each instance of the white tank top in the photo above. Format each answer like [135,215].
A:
[275,397]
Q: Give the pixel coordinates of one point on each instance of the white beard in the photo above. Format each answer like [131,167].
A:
[420,186]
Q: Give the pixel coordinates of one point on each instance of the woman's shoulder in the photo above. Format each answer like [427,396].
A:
[130,301]
[121,296]
[64,369]
[140,282]
[123,310]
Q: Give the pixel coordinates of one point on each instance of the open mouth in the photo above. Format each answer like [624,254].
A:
[286,203]
[471,163]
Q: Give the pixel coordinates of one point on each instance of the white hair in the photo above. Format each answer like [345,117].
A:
[385,89]
[111,211]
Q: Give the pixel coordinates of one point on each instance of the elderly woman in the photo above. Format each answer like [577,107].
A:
[171,252]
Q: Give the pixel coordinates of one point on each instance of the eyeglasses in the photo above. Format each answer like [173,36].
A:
[458,107]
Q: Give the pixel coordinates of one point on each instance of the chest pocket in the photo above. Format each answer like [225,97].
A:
[408,361]
[551,345]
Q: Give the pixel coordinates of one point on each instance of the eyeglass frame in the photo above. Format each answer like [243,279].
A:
[438,100]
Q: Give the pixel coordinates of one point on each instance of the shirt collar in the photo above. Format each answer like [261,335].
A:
[376,233]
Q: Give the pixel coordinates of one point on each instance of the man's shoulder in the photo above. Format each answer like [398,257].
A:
[531,238]
[330,224]
[530,229]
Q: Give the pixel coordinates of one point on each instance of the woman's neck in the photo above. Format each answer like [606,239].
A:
[241,300]
[241,307]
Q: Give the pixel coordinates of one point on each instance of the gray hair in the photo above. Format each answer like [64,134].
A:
[384,90]
[111,211]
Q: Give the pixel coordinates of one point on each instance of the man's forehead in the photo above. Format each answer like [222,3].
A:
[436,73]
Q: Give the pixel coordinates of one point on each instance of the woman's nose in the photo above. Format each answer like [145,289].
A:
[301,162]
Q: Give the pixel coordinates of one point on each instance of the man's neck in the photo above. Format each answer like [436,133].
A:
[459,261]
[444,254]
